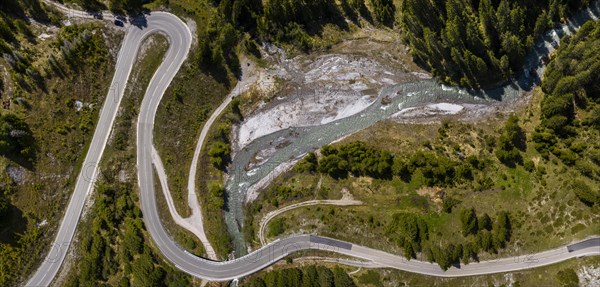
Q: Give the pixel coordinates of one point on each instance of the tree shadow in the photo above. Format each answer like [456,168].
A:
[307,19]
[140,21]
[217,72]
[226,202]
[19,145]
[11,225]
[336,17]
[22,161]
[363,11]
[350,12]
[217,69]
[12,7]
[233,62]
[93,5]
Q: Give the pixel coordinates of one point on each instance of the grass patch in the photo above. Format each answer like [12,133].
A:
[544,211]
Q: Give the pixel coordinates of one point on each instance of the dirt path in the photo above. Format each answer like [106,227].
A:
[346,200]
[194,223]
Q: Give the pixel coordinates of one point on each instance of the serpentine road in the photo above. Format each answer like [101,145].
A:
[180,40]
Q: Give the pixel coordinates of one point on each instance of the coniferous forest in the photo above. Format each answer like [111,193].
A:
[478,43]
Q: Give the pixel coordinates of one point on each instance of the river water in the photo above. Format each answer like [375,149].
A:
[291,144]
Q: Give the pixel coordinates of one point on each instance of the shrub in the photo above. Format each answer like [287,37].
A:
[585,193]
[468,218]
[529,165]
[16,138]
[276,227]
[308,163]
[408,229]
[485,222]
[567,278]
[449,203]
[510,142]
[219,154]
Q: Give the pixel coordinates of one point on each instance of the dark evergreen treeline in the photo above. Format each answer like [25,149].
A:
[572,81]
[409,231]
[277,21]
[294,21]
[118,6]
[435,170]
[481,234]
[570,119]
[308,276]
[358,159]
[478,43]
[115,249]
[220,148]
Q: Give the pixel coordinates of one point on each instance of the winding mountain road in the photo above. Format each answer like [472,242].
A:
[180,40]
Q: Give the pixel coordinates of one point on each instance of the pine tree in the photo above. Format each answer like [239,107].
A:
[485,222]
[469,221]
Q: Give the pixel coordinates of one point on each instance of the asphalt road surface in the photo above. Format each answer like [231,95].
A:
[180,41]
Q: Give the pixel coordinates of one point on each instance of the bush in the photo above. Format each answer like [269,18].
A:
[468,218]
[585,193]
[216,197]
[409,230]
[276,227]
[544,142]
[529,165]
[308,163]
[16,138]
[485,222]
[219,154]
[355,158]
[509,157]
[587,168]
[449,203]
[510,142]
[567,278]
[566,156]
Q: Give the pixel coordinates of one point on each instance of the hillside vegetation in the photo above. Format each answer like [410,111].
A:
[113,248]
[117,6]
[463,191]
[570,119]
[311,275]
[478,43]
[52,82]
